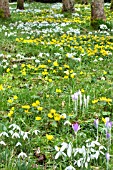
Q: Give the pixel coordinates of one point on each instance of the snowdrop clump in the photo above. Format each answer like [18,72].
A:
[81,156]
[15,133]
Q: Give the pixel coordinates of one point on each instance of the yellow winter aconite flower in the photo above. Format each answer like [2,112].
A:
[55,63]
[8,70]
[38,118]
[82,90]
[57,117]
[10,101]
[34,104]
[26,107]
[15,97]
[40,108]
[66,77]
[95,101]
[103,119]
[37,102]
[58,91]
[50,115]
[1,87]
[81,73]
[49,137]
[10,113]
[53,111]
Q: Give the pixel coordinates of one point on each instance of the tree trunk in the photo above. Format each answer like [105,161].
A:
[85,2]
[20,4]
[4,9]
[111,7]
[97,12]
[68,6]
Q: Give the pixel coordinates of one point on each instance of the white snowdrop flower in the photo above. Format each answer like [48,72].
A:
[6,33]
[2,143]
[15,135]
[64,115]
[22,133]
[100,58]
[67,122]
[102,78]
[22,155]
[69,150]
[60,151]
[15,127]
[14,65]
[18,144]
[1,55]
[25,136]
[37,61]
[4,134]
[86,164]
[70,168]
[11,132]
[36,132]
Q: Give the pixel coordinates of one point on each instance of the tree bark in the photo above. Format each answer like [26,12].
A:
[111,7]
[4,9]
[68,6]
[20,4]
[97,11]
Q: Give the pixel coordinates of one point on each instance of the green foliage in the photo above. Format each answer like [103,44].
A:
[1,13]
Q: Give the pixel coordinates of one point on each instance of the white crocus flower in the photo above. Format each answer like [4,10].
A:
[2,143]
[22,155]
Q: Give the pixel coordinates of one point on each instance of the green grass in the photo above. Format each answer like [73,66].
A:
[43,59]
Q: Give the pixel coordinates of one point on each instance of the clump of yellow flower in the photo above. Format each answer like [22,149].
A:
[38,118]
[26,107]
[58,90]
[103,99]
[1,87]
[56,116]
[11,112]
[49,137]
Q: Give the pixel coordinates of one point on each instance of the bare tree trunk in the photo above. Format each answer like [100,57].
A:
[111,7]
[68,6]
[4,9]
[20,4]
[97,11]
[85,2]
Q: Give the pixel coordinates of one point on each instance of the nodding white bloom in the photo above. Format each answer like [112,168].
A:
[15,135]
[11,132]
[4,134]
[22,155]
[15,127]
[2,143]
[25,136]
[60,150]
[36,132]
[18,144]
[67,122]
[70,168]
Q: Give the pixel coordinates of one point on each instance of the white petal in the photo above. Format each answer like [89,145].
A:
[56,148]
[64,146]
[69,150]
[57,155]
[86,164]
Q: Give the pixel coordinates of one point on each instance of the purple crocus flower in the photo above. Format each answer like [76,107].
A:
[108,124]
[75,127]
[107,156]
[96,122]
[108,135]
[75,95]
